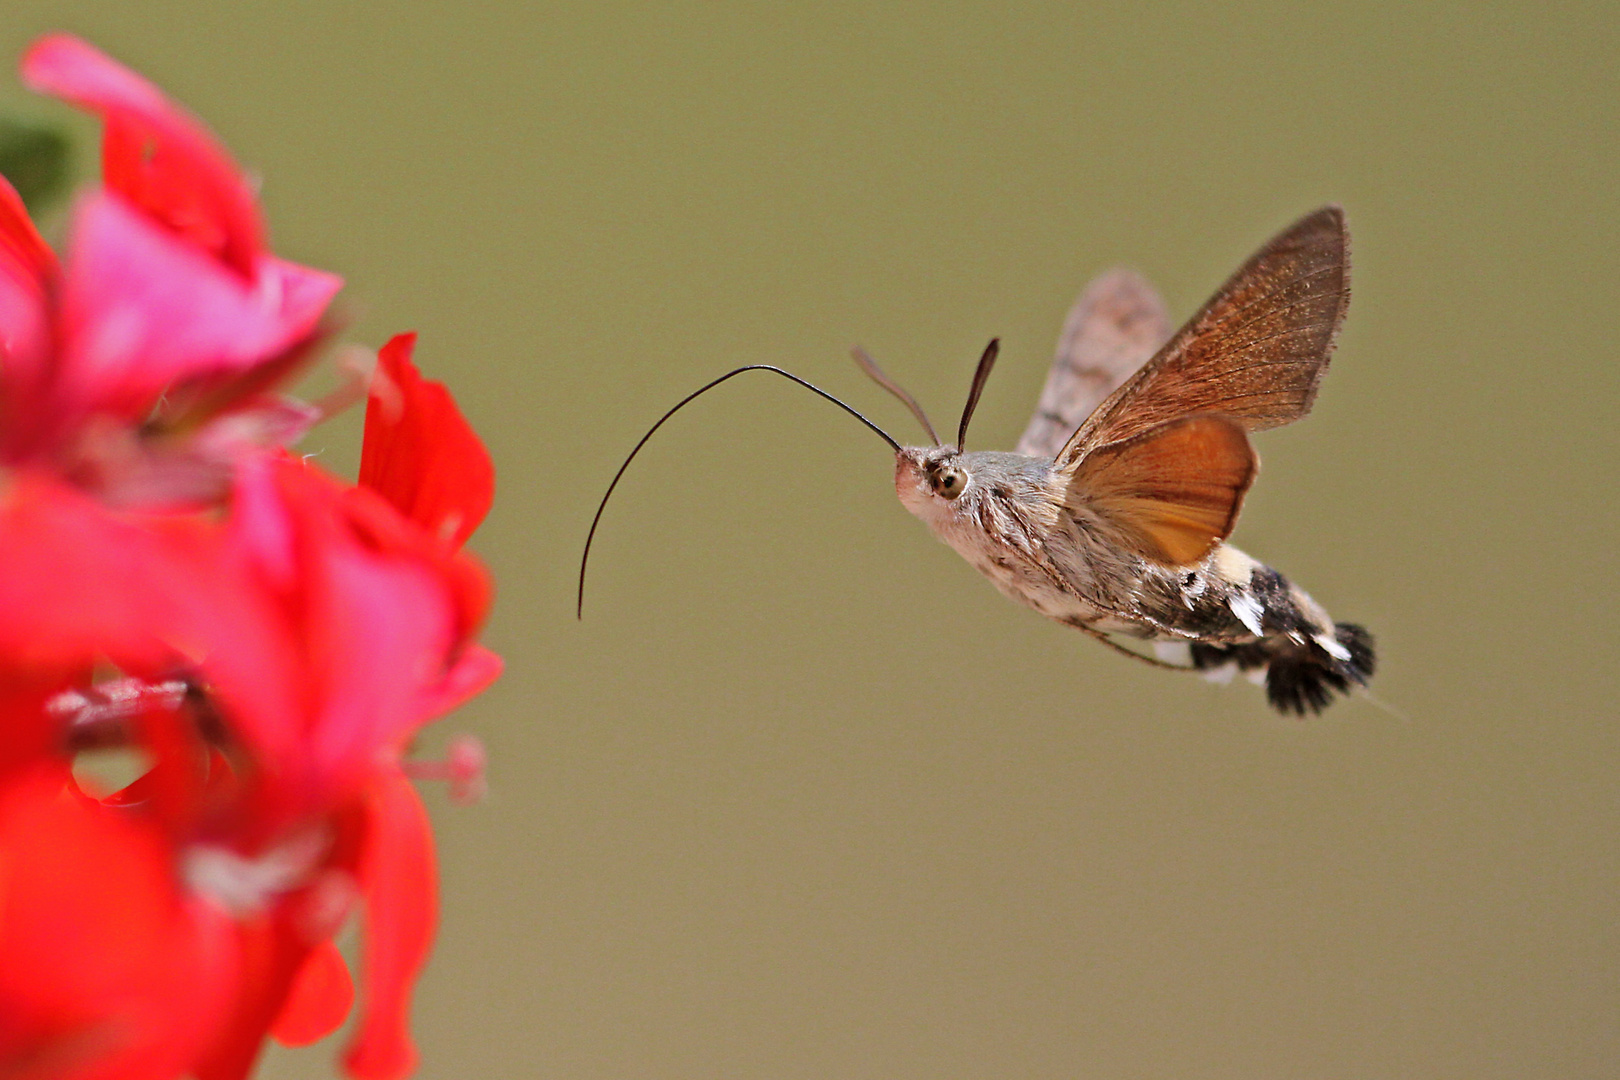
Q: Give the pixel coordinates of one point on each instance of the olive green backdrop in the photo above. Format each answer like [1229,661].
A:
[803,797]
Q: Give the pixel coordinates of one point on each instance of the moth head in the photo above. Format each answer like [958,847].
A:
[933,481]
[936,482]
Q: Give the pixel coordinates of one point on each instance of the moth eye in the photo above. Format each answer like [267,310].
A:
[951,482]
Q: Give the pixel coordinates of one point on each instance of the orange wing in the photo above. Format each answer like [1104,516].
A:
[1254,353]
[1171,493]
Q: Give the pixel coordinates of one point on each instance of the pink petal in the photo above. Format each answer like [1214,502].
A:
[182,474]
[420,453]
[387,530]
[473,672]
[399,878]
[155,153]
[381,630]
[377,627]
[243,642]
[325,670]
[263,531]
[300,294]
[143,310]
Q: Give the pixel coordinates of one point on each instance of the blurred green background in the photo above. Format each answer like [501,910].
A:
[802,796]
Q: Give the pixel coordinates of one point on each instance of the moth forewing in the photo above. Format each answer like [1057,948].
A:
[1169,494]
[1255,352]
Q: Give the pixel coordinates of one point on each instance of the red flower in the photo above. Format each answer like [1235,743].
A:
[278,799]
[280,637]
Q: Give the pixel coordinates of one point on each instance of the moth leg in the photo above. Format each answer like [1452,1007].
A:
[1151,661]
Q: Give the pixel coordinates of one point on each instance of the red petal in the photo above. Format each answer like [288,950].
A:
[155,153]
[420,453]
[64,860]
[19,240]
[27,274]
[29,733]
[81,582]
[266,966]
[322,994]
[104,972]
[399,878]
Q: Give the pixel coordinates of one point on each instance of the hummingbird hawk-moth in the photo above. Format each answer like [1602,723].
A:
[1112,514]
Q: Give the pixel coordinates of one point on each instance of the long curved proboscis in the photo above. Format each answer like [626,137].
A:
[879,376]
[981,375]
[584,560]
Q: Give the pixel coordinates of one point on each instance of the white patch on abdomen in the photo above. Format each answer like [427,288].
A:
[1178,653]
[1248,611]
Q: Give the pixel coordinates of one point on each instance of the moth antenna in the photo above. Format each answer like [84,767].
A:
[981,375]
[877,375]
[585,558]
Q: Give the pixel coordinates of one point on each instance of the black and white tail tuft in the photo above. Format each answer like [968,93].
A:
[1301,677]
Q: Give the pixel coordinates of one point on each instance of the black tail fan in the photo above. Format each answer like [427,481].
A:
[1300,678]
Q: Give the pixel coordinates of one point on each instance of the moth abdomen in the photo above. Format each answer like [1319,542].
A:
[1291,644]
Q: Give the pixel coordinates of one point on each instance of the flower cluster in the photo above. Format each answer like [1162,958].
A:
[259,640]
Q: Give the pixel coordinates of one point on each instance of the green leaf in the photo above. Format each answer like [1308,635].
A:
[35,158]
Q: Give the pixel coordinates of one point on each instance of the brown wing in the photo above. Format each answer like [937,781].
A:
[1112,329]
[1171,493]
[1255,352]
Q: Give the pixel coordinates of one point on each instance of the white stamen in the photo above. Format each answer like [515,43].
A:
[116,699]
[244,885]
[68,701]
